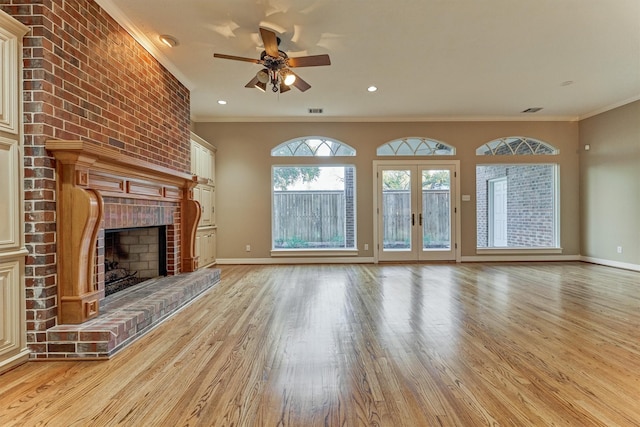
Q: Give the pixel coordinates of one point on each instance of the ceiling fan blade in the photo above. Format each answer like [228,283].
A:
[236,58]
[270,42]
[252,83]
[309,61]
[300,84]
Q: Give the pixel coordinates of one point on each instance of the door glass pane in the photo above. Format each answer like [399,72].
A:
[396,209]
[436,209]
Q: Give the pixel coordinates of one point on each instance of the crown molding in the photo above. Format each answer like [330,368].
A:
[381,119]
[609,107]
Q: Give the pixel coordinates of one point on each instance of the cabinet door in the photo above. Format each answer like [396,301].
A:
[212,247]
[194,157]
[9,195]
[205,163]
[11,308]
[212,167]
[212,203]
[198,249]
[207,205]
[206,247]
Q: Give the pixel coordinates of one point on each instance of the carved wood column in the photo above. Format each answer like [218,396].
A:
[191,213]
[79,212]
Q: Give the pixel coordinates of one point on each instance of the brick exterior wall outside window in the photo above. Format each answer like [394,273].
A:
[530,204]
[85,78]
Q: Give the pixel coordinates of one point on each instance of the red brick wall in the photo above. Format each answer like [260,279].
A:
[85,78]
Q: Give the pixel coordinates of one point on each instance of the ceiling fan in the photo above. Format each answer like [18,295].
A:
[277,66]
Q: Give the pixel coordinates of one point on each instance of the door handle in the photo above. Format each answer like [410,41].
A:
[420,220]
[413,219]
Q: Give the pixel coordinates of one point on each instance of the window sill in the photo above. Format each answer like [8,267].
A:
[526,251]
[313,252]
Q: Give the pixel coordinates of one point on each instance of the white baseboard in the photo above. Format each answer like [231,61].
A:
[293,260]
[518,258]
[609,263]
[370,260]
[12,362]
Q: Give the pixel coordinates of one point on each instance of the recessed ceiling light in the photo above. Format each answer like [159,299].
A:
[372,88]
[168,40]
[222,102]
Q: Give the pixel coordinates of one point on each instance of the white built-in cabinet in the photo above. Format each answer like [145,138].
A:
[13,341]
[203,164]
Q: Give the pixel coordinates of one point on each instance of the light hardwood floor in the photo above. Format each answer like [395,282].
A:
[522,344]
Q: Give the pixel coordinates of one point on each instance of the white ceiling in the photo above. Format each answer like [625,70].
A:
[430,59]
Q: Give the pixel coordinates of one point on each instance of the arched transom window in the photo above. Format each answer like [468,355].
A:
[515,146]
[415,146]
[313,146]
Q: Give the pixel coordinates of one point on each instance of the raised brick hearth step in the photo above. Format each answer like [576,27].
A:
[127,315]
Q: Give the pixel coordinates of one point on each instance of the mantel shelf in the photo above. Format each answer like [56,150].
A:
[112,161]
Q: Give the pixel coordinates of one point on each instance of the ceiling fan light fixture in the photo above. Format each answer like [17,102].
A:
[263,75]
[168,40]
[284,88]
[289,78]
[261,86]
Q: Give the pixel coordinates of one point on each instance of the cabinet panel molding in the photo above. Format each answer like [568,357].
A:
[12,314]
[9,194]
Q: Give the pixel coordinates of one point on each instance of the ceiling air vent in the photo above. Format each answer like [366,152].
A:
[532,110]
[315,110]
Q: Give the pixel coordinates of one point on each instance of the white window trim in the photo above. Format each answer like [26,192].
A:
[313,252]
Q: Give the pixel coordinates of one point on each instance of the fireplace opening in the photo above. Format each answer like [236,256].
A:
[132,256]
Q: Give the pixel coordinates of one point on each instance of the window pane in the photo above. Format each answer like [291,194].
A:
[515,145]
[313,147]
[515,206]
[415,147]
[313,207]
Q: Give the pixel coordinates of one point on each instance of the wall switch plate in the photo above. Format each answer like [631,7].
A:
[248,248]
[366,246]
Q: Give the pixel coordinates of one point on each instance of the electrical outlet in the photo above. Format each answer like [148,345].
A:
[248,248]
[366,246]
[619,249]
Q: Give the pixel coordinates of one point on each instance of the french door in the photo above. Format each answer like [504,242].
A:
[416,211]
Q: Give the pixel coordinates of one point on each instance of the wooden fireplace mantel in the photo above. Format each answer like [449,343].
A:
[85,173]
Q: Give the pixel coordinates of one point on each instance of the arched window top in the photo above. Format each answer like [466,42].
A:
[415,146]
[515,146]
[313,146]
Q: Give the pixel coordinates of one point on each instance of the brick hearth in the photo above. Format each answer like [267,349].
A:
[127,315]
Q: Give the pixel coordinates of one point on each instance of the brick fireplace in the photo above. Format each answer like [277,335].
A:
[99,189]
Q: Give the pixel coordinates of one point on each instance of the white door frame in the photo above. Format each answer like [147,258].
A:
[455,199]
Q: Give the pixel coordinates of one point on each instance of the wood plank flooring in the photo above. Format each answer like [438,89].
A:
[520,344]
